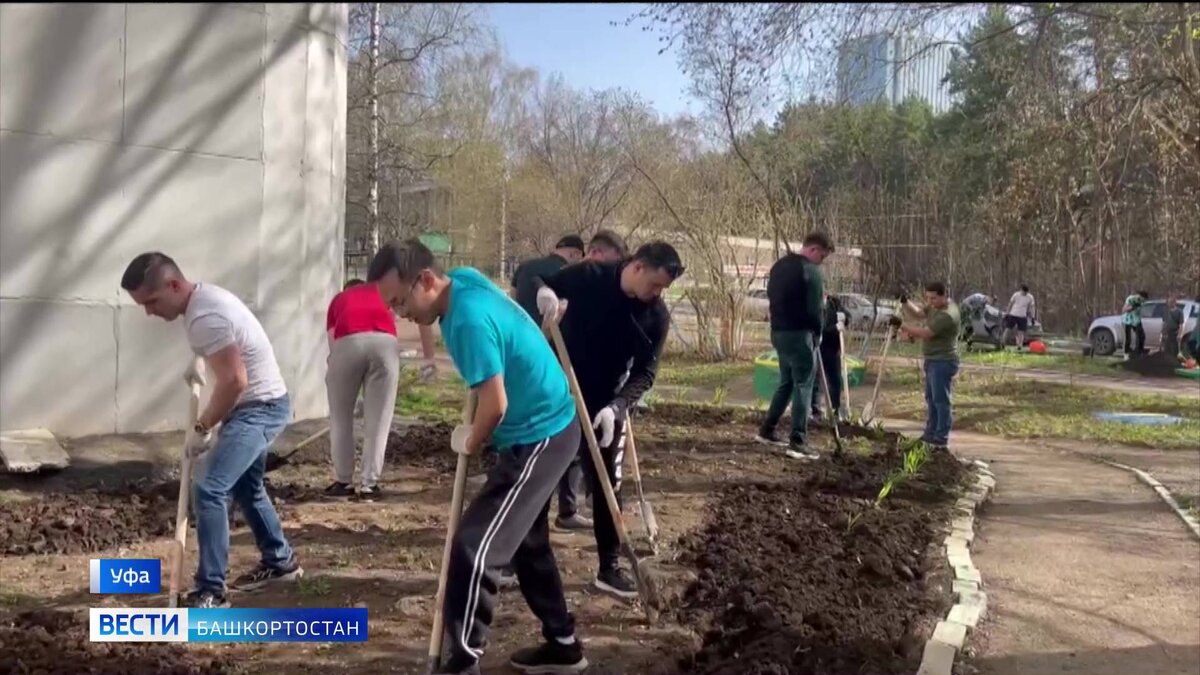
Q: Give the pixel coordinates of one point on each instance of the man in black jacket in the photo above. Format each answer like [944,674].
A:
[831,358]
[525,282]
[614,313]
[794,291]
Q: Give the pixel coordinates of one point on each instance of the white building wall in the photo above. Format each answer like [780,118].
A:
[212,132]
[887,68]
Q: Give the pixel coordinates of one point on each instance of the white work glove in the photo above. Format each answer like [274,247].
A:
[459,438]
[194,372]
[547,303]
[196,444]
[428,370]
[606,423]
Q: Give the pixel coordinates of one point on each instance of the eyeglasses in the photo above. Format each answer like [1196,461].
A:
[674,270]
[400,303]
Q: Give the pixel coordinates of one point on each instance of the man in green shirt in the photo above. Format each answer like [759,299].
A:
[939,337]
[794,292]
[1132,319]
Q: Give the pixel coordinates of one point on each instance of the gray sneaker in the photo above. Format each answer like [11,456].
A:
[801,451]
[573,522]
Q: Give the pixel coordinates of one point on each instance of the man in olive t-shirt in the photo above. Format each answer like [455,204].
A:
[939,336]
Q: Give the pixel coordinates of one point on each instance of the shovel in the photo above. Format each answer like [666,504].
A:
[641,572]
[185,490]
[837,432]
[647,509]
[456,504]
[868,413]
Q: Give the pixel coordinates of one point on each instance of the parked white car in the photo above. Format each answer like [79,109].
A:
[758,308]
[860,310]
[1107,333]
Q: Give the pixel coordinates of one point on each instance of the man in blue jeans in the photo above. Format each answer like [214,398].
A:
[939,347]
[250,403]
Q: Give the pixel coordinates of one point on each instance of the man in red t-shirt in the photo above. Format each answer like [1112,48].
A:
[363,354]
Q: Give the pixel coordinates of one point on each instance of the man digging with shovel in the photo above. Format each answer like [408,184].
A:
[249,402]
[614,313]
[525,409]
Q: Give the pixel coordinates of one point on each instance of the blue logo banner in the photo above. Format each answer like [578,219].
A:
[125,575]
[301,624]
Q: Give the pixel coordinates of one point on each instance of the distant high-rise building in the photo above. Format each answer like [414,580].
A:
[892,68]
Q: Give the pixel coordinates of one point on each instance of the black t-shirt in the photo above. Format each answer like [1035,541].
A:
[794,292]
[604,329]
[525,280]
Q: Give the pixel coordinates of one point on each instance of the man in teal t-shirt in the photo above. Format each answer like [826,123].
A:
[1132,319]
[525,408]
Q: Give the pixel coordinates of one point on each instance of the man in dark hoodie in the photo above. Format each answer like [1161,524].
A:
[614,313]
[794,291]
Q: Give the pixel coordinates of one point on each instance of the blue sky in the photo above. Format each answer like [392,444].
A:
[579,41]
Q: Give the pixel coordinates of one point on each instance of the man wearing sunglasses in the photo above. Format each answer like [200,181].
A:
[525,410]
[614,314]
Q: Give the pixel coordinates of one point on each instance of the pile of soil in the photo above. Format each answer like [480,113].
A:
[47,642]
[808,577]
[425,446]
[1157,364]
[88,521]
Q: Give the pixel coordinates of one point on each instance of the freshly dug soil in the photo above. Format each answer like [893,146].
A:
[1157,364]
[807,577]
[87,521]
[45,642]
[701,416]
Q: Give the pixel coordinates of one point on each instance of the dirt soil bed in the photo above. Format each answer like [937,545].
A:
[811,578]
[56,643]
[760,549]
[1156,364]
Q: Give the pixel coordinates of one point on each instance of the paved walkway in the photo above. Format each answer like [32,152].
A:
[1163,386]
[1087,571]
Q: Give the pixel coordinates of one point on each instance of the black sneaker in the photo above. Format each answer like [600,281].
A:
[368,494]
[801,451]
[339,489]
[262,575]
[768,437]
[205,600]
[453,667]
[573,522]
[551,657]
[616,582]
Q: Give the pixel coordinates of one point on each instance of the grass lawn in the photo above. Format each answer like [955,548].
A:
[1020,408]
[677,369]
[438,401]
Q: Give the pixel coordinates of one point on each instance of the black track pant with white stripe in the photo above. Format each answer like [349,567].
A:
[507,521]
[608,545]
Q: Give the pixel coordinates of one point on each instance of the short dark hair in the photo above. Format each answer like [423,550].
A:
[408,258]
[818,239]
[570,241]
[149,270]
[936,287]
[1024,288]
[660,255]
[353,282]
[609,239]
[1144,294]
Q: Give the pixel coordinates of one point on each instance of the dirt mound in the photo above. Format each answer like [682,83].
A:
[810,578]
[88,521]
[56,643]
[1158,364]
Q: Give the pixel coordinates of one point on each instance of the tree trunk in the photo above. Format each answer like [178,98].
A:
[373,141]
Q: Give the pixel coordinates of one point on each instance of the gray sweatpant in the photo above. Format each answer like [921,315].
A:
[370,361]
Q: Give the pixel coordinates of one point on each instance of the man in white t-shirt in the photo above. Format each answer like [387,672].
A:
[249,403]
[1021,311]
